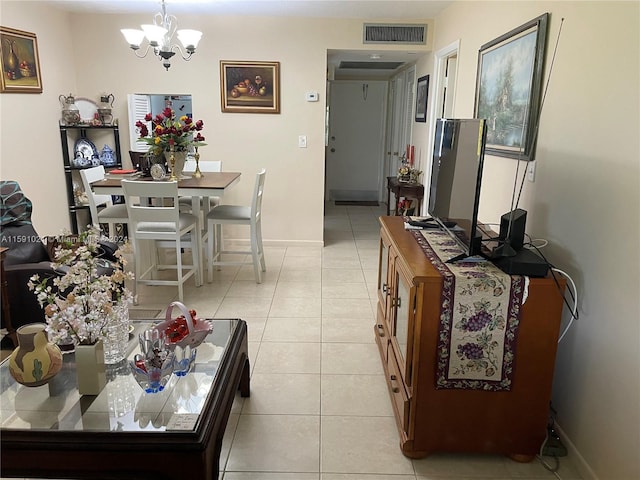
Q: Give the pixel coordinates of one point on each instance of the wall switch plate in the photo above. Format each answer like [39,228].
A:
[311,96]
[302,141]
[531,171]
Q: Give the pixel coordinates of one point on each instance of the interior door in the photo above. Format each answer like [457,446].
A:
[355,151]
[449,83]
[396,128]
[138,106]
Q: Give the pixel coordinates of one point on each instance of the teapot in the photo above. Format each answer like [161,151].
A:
[104,110]
[70,111]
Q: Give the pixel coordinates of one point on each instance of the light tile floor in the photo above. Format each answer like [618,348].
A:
[319,407]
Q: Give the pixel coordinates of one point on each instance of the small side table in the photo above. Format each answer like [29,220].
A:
[404,189]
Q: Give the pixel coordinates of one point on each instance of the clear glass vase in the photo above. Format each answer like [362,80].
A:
[116,337]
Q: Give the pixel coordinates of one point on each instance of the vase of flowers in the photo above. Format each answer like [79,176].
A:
[171,134]
[408,174]
[85,303]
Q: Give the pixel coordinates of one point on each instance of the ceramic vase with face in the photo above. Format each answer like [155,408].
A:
[35,361]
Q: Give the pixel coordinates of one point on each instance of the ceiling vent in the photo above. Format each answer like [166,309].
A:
[370,65]
[407,34]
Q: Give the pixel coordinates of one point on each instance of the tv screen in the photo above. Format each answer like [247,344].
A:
[456,174]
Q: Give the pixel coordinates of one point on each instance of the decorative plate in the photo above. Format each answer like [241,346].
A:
[88,109]
[85,148]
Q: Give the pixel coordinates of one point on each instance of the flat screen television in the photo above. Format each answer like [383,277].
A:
[456,175]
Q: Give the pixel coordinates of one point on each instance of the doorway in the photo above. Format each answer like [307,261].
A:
[354,154]
[446,69]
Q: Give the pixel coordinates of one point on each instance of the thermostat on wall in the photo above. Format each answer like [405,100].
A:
[311,96]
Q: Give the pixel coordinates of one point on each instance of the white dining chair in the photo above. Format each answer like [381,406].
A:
[205,166]
[101,206]
[238,215]
[160,220]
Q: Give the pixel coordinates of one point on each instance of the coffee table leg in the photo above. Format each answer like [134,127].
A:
[244,380]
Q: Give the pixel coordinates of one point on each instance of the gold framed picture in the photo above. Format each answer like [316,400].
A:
[20,65]
[250,87]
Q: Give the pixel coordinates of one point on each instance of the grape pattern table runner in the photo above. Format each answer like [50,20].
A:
[479,318]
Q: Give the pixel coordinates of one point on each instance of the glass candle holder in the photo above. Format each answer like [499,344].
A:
[183,360]
[153,367]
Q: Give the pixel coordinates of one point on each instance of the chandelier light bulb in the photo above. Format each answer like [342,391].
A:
[154,33]
[189,39]
[133,37]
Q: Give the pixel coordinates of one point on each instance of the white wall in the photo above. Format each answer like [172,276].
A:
[293,203]
[30,150]
[584,201]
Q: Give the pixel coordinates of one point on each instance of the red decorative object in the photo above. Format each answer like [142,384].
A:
[183,332]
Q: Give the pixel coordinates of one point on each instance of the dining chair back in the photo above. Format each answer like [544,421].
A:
[205,166]
[101,207]
[238,215]
[154,214]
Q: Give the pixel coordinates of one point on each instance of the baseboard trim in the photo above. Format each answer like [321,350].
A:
[578,460]
[277,243]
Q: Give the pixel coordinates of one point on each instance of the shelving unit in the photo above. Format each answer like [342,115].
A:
[107,134]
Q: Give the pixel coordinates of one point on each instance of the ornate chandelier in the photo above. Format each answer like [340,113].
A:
[160,38]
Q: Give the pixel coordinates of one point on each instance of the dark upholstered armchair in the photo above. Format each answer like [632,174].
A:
[26,256]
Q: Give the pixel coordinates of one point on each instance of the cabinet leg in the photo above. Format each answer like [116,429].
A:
[521,457]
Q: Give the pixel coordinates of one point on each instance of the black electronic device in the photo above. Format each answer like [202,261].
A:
[512,231]
[524,262]
[423,224]
[456,175]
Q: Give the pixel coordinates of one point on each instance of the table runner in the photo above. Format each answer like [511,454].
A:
[479,318]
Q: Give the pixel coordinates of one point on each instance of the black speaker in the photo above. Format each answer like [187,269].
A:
[518,219]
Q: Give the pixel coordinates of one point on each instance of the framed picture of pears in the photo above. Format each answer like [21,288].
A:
[250,87]
[20,63]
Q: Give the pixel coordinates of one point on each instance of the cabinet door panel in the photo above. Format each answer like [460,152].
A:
[384,287]
[403,325]
[382,332]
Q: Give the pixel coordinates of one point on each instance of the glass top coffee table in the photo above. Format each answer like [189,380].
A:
[53,432]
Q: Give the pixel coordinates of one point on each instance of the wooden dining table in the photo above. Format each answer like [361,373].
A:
[211,184]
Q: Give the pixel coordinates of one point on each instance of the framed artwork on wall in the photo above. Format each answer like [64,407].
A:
[250,87]
[20,65]
[508,89]
[422,95]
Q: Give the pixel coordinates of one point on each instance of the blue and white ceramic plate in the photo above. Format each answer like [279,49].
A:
[85,148]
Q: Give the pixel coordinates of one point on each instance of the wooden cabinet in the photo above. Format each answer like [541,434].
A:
[456,420]
[99,136]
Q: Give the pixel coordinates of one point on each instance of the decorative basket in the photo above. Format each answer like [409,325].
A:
[198,328]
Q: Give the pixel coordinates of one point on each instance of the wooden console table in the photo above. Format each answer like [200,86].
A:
[432,419]
[404,189]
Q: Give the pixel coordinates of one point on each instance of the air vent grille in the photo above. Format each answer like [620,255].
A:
[370,65]
[409,34]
